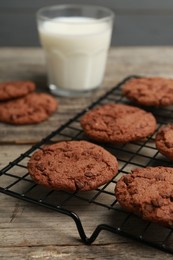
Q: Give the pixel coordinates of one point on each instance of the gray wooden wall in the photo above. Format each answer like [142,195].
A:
[138,22]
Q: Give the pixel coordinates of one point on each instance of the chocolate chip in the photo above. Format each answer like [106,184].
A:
[67,155]
[149,208]
[126,181]
[45,173]
[37,158]
[40,167]
[13,117]
[97,156]
[164,194]
[47,151]
[169,144]
[160,177]
[133,191]
[79,185]
[89,174]
[157,202]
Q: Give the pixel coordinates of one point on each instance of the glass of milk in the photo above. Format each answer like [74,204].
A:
[76,39]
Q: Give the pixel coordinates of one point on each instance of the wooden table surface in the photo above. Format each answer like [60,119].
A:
[31,232]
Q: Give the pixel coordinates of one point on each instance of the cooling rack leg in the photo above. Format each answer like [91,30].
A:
[92,238]
[80,229]
[85,239]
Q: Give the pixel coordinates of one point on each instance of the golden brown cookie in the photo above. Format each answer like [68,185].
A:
[30,109]
[164,141]
[151,91]
[118,123]
[148,192]
[72,166]
[15,89]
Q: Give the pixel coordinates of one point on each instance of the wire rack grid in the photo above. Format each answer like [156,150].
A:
[15,180]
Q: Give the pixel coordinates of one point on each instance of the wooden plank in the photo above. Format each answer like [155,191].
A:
[31,232]
[28,63]
[120,251]
[24,65]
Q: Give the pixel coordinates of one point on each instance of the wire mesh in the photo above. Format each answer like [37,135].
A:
[15,180]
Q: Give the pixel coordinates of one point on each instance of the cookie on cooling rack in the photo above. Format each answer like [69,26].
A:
[118,123]
[148,192]
[15,89]
[151,91]
[72,166]
[164,141]
[30,109]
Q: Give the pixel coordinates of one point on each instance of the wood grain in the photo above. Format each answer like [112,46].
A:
[31,232]
[29,63]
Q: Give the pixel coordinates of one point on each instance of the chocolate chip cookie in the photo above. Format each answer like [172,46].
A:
[72,166]
[30,109]
[148,192]
[15,89]
[164,141]
[151,91]
[118,123]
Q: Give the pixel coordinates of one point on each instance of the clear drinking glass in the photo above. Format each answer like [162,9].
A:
[76,39]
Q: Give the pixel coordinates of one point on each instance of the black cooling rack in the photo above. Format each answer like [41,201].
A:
[15,180]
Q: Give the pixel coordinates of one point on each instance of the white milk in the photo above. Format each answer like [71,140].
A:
[76,51]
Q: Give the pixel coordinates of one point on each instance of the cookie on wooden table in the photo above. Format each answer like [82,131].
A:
[15,89]
[164,141]
[118,123]
[148,192]
[30,109]
[72,166]
[151,91]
